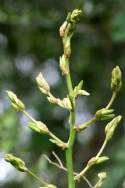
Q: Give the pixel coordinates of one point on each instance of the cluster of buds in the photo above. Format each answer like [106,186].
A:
[104,114]
[42,84]
[15,102]
[111,126]
[79,91]
[97,160]
[65,103]
[69,25]
[116,79]
[18,163]
[44,88]
[39,127]
[67,29]
[102,176]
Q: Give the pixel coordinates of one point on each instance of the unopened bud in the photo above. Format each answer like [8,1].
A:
[62,29]
[79,91]
[59,143]
[102,175]
[111,126]
[65,103]
[39,127]
[18,163]
[63,65]
[116,79]
[104,114]
[75,15]
[67,47]
[15,102]
[83,92]
[97,160]
[42,84]
[52,99]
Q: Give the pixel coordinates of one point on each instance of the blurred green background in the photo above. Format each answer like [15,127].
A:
[30,43]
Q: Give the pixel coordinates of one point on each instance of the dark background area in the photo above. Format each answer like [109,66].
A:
[30,43]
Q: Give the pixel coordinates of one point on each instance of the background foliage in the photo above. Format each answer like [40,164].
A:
[30,43]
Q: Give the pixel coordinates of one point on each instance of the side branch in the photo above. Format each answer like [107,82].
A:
[60,165]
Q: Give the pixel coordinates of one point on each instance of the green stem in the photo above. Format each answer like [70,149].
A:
[42,182]
[29,116]
[69,151]
[111,100]
[102,148]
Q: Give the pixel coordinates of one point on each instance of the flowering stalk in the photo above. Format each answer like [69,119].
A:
[107,113]
[66,32]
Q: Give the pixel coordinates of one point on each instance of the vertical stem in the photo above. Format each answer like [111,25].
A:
[69,151]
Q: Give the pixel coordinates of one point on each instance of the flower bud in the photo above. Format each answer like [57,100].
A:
[116,79]
[74,17]
[65,103]
[67,47]
[111,126]
[18,163]
[104,114]
[102,175]
[52,99]
[42,84]
[39,127]
[97,160]
[58,143]
[78,90]
[15,102]
[62,29]
[63,65]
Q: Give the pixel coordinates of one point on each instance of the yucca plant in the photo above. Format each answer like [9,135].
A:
[66,32]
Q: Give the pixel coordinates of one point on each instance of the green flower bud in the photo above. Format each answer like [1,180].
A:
[39,127]
[67,28]
[63,65]
[116,79]
[104,114]
[102,175]
[42,84]
[78,90]
[62,29]
[74,17]
[111,126]
[97,160]
[18,163]
[65,103]
[15,102]
[58,143]
[52,99]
